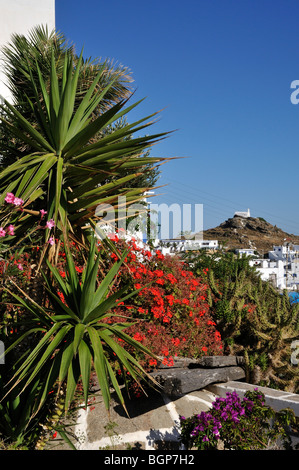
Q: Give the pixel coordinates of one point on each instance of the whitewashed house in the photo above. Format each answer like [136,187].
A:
[245,251]
[292,274]
[201,244]
[284,252]
[272,271]
[19,17]
[176,246]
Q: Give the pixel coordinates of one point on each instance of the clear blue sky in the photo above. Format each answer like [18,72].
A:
[221,70]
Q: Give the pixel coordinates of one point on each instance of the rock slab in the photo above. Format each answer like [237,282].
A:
[205,361]
[179,381]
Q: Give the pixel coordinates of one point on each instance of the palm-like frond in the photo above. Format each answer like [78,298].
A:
[19,60]
[66,167]
[76,335]
[23,52]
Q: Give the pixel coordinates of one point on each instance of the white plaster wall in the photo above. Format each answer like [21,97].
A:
[266,268]
[20,16]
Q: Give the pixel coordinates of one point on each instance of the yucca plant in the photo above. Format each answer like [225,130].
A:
[20,424]
[74,335]
[21,54]
[66,174]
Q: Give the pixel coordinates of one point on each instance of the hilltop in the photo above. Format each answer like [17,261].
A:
[250,232]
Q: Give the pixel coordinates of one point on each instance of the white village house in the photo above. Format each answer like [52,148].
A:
[245,251]
[286,252]
[19,17]
[272,271]
[179,246]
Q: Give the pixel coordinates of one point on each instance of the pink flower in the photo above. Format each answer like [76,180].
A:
[9,198]
[42,213]
[50,224]
[10,230]
[51,241]
[18,201]
[20,267]
[2,232]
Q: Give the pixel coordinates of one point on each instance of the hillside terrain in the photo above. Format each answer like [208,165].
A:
[251,232]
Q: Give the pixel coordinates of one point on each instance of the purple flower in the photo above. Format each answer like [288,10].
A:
[235,419]
[224,415]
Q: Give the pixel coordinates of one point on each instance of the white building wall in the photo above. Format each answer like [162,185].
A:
[201,244]
[245,251]
[284,253]
[267,269]
[20,16]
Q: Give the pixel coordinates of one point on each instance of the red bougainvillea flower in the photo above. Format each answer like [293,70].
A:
[138,337]
[152,362]
[171,316]
[159,255]
[164,351]
[159,272]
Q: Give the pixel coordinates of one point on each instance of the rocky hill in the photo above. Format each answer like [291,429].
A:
[251,232]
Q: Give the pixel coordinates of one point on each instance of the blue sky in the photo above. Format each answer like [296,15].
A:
[221,72]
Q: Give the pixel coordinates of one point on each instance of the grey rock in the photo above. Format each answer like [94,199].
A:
[176,382]
[179,362]
[205,361]
[219,361]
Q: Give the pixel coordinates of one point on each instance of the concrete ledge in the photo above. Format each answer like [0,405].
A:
[276,399]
